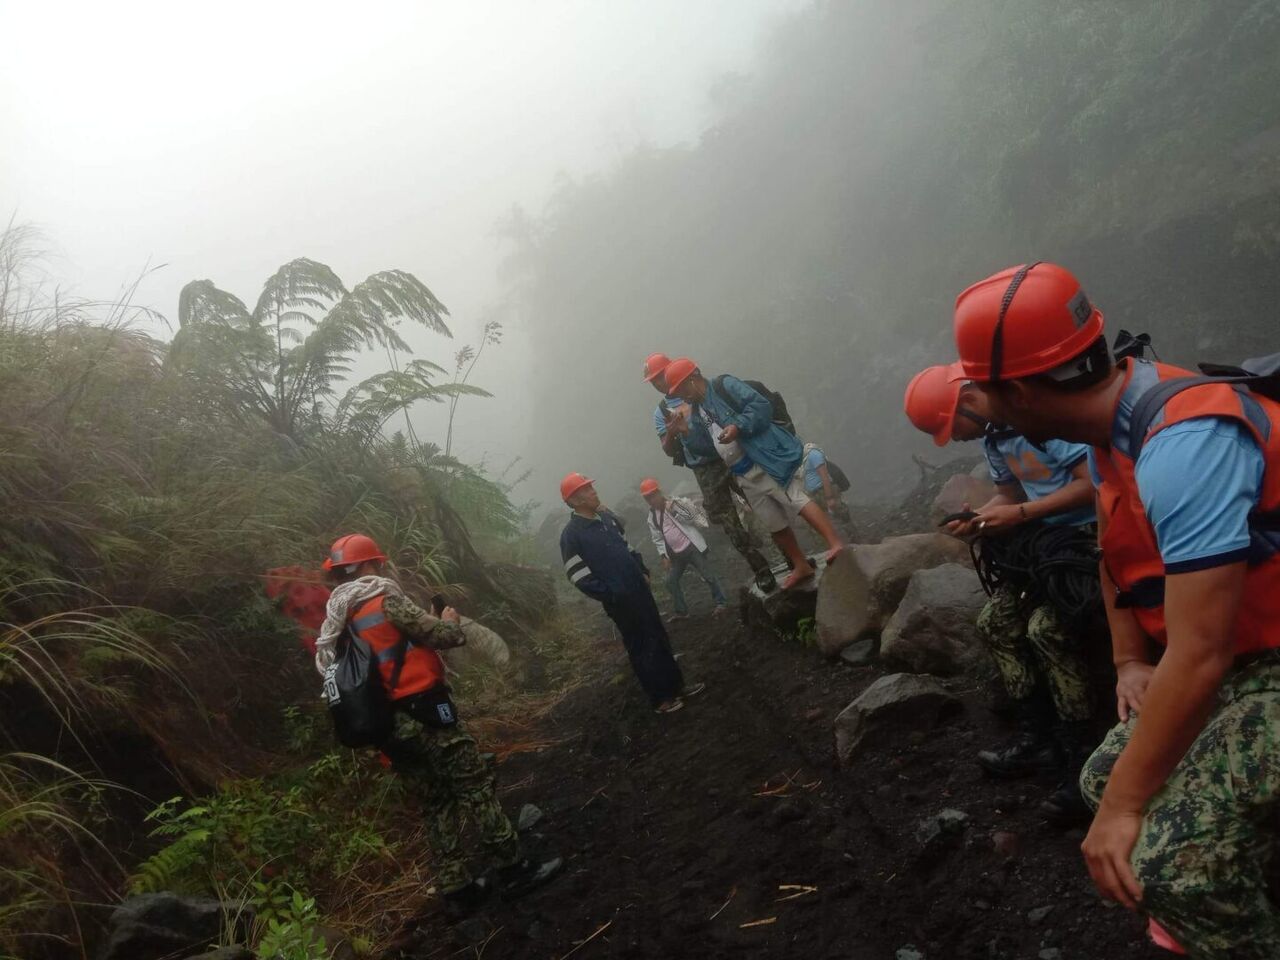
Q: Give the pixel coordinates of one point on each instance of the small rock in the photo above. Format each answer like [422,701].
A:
[914,699]
[529,817]
[1006,844]
[943,824]
[909,952]
[1037,915]
[788,811]
[859,653]
[1052,953]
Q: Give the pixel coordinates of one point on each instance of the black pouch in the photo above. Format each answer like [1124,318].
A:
[432,708]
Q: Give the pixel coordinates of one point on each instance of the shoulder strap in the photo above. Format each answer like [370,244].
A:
[1153,401]
[718,386]
[402,650]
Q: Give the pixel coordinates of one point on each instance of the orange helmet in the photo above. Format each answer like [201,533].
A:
[571,484]
[678,372]
[932,398]
[654,364]
[647,486]
[1022,321]
[354,548]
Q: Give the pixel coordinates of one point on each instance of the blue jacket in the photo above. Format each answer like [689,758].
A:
[599,561]
[698,448]
[766,443]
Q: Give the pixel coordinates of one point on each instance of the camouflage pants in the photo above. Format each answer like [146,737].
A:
[1208,835]
[455,786]
[1039,646]
[715,482]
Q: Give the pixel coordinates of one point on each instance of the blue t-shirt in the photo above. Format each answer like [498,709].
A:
[812,479]
[1198,480]
[1015,459]
[698,449]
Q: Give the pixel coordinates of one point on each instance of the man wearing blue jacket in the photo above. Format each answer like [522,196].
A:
[761,454]
[600,563]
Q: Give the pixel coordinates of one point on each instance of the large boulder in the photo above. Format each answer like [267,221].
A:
[165,926]
[865,584]
[973,489]
[934,629]
[783,614]
[906,698]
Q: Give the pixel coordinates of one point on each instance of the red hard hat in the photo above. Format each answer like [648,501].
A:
[933,395]
[1022,321]
[351,549]
[647,486]
[654,364]
[678,371]
[572,483]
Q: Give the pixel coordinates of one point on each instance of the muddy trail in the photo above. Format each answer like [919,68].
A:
[727,829]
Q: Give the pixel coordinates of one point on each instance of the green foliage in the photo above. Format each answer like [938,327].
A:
[289,920]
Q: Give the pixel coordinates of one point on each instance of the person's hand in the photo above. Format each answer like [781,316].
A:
[729,434]
[998,519]
[1132,678]
[1107,849]
[451,615]
[962,528]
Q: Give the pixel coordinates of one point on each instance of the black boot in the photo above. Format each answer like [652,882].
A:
[521,878]
[1065,806]
[1032,749]
[466,900]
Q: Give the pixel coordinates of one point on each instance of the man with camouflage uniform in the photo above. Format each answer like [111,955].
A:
[431,749]
[695,450]
[1031,644]
[1187,470]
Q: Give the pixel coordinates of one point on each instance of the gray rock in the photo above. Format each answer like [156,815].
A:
[918,700]
[866,582]
[909,952]
[1037,915]
[529,817]
[859,653]
[943,825]
[153,926]
[973,489]
[1051,953]
[934,629]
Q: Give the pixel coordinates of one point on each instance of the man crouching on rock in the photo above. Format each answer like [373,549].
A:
[600,563]
[432,750]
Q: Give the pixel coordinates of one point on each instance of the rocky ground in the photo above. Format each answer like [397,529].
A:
[728,829]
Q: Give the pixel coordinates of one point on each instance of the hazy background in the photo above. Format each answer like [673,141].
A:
[792,191]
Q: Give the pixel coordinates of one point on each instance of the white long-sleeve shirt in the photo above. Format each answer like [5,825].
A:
[686,516]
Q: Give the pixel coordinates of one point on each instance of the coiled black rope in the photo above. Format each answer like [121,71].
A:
[1045,563]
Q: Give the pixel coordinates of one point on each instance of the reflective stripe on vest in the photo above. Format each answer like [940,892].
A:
[1129,544]
[423,668]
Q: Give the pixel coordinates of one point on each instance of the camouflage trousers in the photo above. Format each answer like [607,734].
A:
[1026,648]
[1207,837]
[455,786]
[716,484]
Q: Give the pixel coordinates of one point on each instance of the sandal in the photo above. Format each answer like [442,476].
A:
[670,706]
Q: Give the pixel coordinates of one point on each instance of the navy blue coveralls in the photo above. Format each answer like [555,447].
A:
[600,563]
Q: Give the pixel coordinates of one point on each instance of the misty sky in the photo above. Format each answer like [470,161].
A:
[222,140]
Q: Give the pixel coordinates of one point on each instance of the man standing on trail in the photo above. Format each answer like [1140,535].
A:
[600,563]
[432,750]
[761,454]
[673,527]
[690,445]
[1187,471]
[1043,502]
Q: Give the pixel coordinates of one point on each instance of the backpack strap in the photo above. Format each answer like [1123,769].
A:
[1154,399]
[718,386]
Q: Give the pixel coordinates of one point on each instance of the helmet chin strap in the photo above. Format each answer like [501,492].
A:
[997,335]
[983,422]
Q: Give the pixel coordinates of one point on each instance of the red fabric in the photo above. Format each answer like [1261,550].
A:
[1129,543]
[302,595]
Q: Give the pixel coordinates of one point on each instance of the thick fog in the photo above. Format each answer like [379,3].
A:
[789,191]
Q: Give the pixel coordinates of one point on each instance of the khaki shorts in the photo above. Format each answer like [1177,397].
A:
[777,507]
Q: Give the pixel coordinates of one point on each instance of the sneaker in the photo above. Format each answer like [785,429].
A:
[669,706]
[677,616]
[466,900]
[720,610]
[527,875]
[693,691]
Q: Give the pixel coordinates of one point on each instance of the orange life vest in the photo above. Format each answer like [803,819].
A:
[1129,545]
[422,669]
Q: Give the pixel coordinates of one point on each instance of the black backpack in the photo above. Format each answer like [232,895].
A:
[780,415]
[362,712]
[838,476]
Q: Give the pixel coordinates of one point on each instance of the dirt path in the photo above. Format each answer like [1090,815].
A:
[726,830]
